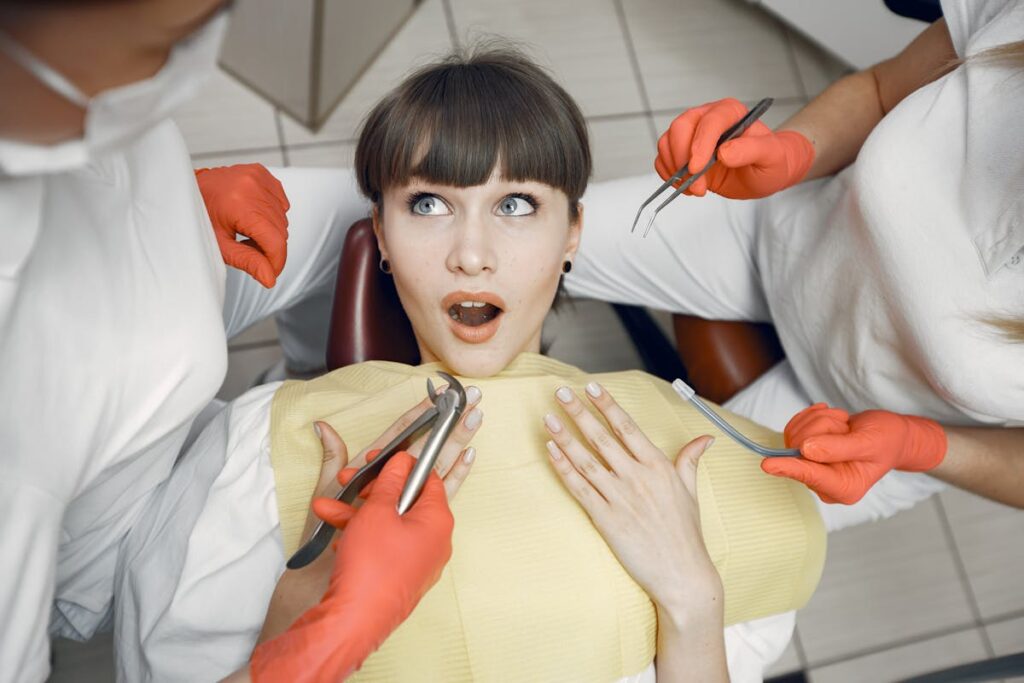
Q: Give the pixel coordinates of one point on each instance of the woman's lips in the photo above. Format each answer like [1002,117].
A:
[473,334]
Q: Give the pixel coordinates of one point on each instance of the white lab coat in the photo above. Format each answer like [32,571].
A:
[115,307]
[879,279]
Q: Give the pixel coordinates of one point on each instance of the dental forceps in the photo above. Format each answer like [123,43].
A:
[733,131]
[442,418]
[687,392]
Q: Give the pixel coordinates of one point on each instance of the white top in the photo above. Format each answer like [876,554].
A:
[111,340]
[880,279]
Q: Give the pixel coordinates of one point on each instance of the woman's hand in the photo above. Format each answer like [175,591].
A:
[300,589]
[646,509]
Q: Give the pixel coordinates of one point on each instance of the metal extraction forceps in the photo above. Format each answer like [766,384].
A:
[733,131]
[687,392]
[442,418]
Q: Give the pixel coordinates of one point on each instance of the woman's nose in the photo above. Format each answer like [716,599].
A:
[471,252]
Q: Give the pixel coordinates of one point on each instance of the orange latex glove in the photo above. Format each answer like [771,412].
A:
[756,164]
[247,200]
[384,565]
[844,455]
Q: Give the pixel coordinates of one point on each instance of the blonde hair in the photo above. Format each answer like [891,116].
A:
[1007,54]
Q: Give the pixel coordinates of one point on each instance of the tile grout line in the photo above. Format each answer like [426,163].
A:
[449,20]
[961,570]
[249,346]
[895,644]
[793,64]
[634,62]
[280,136]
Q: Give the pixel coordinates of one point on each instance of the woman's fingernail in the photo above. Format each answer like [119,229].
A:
[473,419]
[472,395]
[707,445]
[564,394]
[594,389]
[469,455]
[552,423]
[556,453]
[316,430]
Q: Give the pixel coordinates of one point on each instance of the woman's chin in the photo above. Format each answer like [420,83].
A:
[477,362]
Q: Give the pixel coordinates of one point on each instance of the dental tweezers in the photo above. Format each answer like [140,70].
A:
[442,416]
[733,131]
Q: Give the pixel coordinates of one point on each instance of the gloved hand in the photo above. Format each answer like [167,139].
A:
[384,565]
[247,200]
[844,455]
[756,164]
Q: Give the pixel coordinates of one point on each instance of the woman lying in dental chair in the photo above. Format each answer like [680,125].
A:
[580,551]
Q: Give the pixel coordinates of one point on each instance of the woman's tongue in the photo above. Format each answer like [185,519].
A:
[475,315]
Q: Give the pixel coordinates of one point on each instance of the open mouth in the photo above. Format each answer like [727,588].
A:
[474,316]
[473,313]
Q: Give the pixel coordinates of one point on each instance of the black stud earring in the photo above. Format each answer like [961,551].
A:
[385,266]
[566,266]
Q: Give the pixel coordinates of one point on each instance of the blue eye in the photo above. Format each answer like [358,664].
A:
[515,205]
[428,205]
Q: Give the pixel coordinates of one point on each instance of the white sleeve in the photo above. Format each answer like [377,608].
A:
[752,646]
[999,20]
[30,523]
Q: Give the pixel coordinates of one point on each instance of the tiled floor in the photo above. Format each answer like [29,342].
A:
[932,587]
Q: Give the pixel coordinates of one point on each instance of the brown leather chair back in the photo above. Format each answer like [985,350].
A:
[367,322]
[721,356]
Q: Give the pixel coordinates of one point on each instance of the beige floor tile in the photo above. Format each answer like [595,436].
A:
[226,116]
[884,582]
[423,38]
[787,663]
[621,147]
[588,334]
[331,154]
[919,658]
[817,67]
[695,51]
[990,539]
[773,118]
[243,368]
[580,40]
[1007,637]
[268,157]
[263,331]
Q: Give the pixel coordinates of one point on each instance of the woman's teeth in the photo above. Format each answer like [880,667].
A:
[473,313]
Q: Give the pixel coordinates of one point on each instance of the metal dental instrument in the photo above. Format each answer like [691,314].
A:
[684,390]
[442,417]
[733,131]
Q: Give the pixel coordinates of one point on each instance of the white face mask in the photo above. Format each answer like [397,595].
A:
[115,117]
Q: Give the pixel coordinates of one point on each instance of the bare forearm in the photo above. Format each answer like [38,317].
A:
[839,120]
[691,644]
[986,461]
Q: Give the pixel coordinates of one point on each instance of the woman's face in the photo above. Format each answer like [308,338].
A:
[476,268]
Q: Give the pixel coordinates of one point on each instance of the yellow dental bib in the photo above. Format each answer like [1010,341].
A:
[532,592]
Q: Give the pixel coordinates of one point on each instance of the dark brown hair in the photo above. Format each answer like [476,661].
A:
[453,122]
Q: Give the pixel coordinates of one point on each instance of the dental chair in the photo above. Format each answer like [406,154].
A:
[718,358]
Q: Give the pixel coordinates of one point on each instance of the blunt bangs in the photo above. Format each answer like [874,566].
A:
[457,121]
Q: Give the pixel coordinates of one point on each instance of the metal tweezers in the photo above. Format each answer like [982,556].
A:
[442,418]
[734,131]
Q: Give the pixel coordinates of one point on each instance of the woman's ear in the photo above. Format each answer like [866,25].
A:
[378,231]
[575,233]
